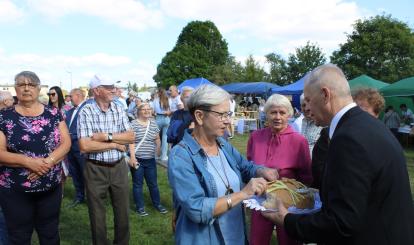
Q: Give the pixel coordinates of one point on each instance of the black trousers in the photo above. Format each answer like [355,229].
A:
[25,212]
[76,165]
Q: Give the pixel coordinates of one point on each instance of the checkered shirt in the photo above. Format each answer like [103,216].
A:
[311,132]
[93,120]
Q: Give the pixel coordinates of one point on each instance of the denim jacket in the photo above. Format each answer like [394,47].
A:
[195,191]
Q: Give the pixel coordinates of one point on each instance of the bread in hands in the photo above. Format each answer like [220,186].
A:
[287,191]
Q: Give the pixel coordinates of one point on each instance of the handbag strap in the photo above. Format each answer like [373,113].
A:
[143,138]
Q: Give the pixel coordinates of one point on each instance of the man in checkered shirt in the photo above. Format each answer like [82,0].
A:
[309,129]
[103,132]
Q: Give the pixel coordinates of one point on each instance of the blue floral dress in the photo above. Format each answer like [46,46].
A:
[34,137]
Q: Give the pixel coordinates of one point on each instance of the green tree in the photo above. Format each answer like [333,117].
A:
[253,71]
[278,72]
[132,87]
[305,59]
[231,71]
[381,47]
[200,48]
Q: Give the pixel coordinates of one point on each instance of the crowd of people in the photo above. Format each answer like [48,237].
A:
[337,145]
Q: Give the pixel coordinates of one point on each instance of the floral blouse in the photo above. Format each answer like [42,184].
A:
[34,137]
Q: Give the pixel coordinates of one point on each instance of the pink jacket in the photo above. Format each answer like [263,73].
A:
[287,151]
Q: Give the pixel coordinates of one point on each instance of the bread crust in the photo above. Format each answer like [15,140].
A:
[286,190]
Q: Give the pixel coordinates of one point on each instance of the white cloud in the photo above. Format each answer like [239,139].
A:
[322,21]
[9,12]
[61,61]
[142,73]
[125,13]
[59,69]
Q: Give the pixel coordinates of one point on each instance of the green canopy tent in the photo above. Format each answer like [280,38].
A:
[403,87]
[401,92]
[366,82]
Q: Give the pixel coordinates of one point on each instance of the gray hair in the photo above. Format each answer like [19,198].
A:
[79,91]
[331,76]
[207,96]
[278,100]
[5,95]
[302,98]
[187,88]
[28,75]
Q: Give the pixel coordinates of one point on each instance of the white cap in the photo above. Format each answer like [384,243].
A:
[98,81]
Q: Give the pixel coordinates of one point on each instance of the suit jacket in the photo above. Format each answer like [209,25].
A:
[74,126]
[319,155]
[365,189]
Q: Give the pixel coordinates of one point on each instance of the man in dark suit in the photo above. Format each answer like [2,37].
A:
[365,186]
[75,158]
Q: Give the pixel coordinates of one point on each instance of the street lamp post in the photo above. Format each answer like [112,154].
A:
[70,72]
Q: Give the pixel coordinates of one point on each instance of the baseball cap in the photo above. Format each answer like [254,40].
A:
[97,81]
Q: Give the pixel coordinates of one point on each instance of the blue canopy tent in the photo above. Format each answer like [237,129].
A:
[295,90]
[233,88]
[259,88]
[194,83]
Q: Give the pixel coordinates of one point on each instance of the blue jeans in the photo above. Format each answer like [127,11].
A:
[147,169]
[3,229]
[163,123]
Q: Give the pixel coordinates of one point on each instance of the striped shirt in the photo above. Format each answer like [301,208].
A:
[391,119]
[93,120]
[147,148]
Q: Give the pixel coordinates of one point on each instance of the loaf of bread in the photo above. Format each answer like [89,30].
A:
[287,191]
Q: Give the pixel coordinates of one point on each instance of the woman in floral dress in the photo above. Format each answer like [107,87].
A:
[33,140]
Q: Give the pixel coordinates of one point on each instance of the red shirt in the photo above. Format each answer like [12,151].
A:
[286,151]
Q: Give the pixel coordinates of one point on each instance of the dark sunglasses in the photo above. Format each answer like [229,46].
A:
[51,94]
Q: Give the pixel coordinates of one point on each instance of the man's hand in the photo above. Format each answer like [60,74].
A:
[100,137]
[269,174]
[120,147]
[279,216]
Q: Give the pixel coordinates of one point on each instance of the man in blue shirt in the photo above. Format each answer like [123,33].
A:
[180,120]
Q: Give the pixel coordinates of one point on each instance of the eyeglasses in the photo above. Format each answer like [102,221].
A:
[221,115]
[51,94]
[23,85]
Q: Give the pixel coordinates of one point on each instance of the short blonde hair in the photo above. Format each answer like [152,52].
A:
[278,100]
[372,96]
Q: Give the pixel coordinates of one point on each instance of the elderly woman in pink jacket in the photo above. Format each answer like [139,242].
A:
[278,146]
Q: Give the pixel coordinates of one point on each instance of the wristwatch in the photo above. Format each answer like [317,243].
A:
[109,137]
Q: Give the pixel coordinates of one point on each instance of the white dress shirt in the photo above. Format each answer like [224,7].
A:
[338,117]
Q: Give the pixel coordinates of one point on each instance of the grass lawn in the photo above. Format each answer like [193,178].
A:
[152,229]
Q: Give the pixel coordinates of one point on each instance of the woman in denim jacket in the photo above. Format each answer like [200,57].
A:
[207,175]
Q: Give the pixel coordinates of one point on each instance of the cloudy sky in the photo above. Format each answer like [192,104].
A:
[70,40]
